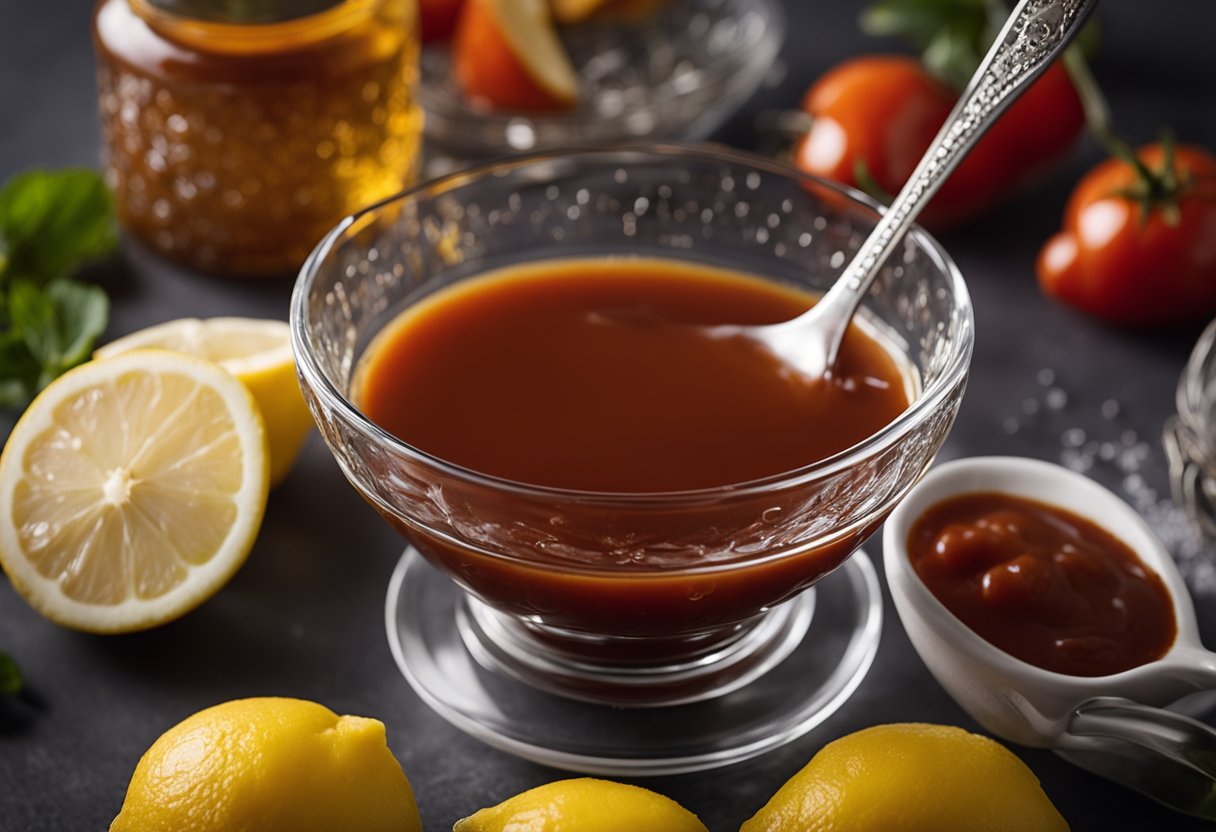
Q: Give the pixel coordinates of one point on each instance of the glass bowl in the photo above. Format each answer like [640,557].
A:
[676,75]
[673,601]
[1190,436]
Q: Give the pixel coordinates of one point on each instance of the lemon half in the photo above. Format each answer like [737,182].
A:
[255,350]
[131,490]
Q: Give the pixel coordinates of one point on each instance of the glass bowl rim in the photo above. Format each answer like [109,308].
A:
[333,401]
[718,75]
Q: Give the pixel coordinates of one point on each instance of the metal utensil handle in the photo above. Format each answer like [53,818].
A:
[1035,34]
[1163,754]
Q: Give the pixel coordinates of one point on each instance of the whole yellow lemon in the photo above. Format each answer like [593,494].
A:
[910,777]
[269,765]
[584,805]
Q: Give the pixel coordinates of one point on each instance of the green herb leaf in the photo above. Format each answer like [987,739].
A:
[58,324]
[32,314]
[52,223]
[10,675]
[19,371]
[952,57]
[82,312]
[953,36]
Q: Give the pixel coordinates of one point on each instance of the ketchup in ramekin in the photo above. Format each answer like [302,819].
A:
[1043,584]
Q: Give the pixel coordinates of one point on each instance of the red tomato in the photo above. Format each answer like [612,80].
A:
[884,110]
[437,18]
[1115,261]
[881,111]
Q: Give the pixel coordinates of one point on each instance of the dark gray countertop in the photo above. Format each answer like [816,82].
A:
[304,617]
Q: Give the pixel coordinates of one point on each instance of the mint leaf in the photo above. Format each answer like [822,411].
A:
[32,314]
[58,324]
[19,371]
[52,223]
[10,675]
[15,393]
[81,314]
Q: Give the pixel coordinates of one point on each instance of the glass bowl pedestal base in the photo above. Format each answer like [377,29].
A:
[492,677]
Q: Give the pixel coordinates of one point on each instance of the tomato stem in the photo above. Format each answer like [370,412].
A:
[1096,108]
[1154,189]
[1170,189]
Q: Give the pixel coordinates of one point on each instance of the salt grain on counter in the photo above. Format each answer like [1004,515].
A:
[1115,455]
[1073,438]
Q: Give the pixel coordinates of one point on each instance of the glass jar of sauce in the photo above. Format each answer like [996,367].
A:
[238,132]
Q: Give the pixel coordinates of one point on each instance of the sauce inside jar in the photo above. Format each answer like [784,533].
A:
[597,375]
[1043,584]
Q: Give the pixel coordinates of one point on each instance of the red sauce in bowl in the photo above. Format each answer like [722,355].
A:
[1043,584]
[596,375]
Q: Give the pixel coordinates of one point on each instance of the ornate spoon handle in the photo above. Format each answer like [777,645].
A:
[1035,34]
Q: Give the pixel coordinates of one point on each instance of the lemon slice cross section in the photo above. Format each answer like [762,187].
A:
[131,490]
[255,350]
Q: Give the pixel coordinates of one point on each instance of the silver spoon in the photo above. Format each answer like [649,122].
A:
[1035,34]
